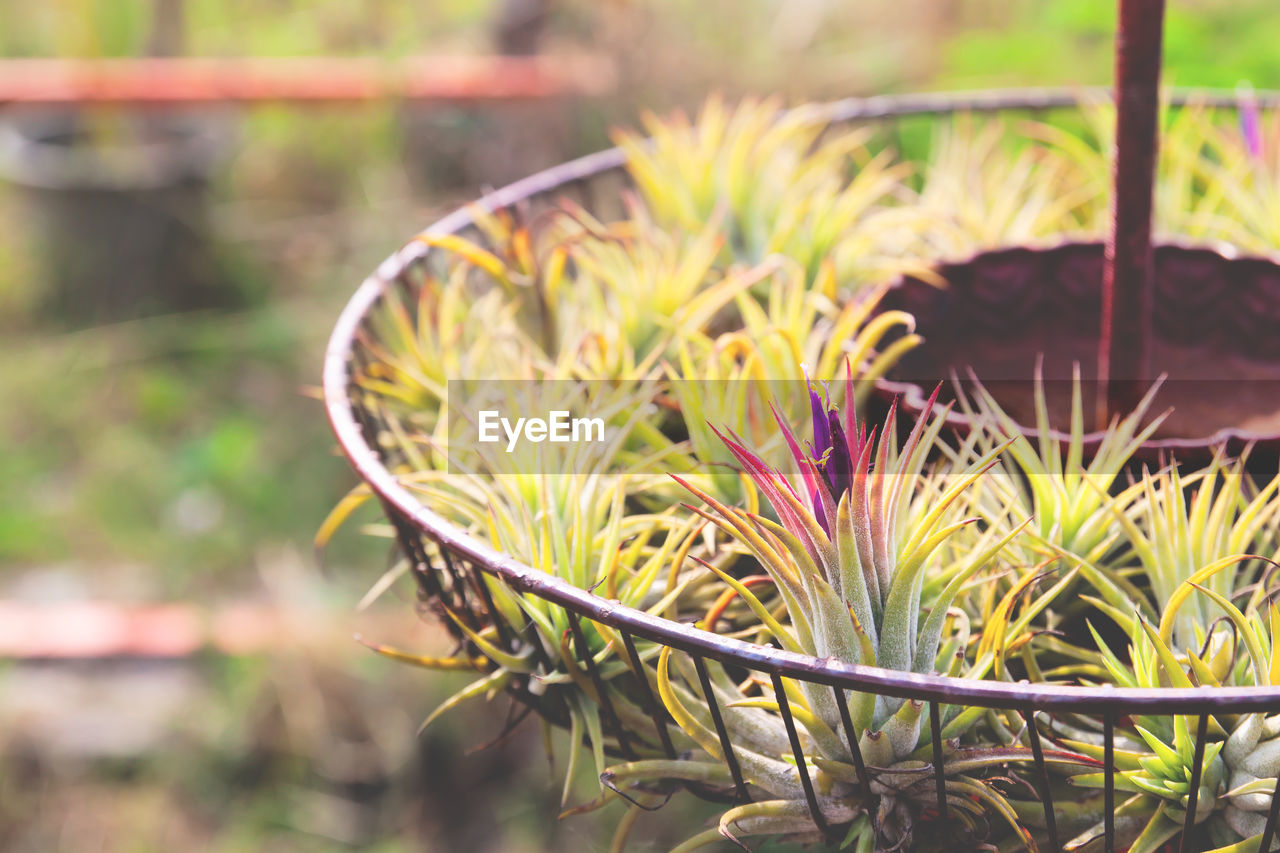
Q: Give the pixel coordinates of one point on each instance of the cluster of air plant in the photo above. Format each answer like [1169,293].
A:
[854,570]
[1050,483]
[1218,173]
[984,187]
[787,183]
[733,379]
[775,182]
[1197,545]
[561,517]
[1164,560]
[1236,197]
[598,515]
[1164,557]
[1164,566]
[704,326]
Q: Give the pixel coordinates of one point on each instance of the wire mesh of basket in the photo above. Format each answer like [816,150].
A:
[454,570]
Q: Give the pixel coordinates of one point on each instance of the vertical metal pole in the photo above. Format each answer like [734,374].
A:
[726,743]
[1109,786]
[1124,346]
[1046,794]
[1268,831]
[797,751]
[602,693]
[939,776]
[651,705]
[859,766]
[1193,796]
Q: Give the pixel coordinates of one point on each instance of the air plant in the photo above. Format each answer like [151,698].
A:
[416,345]
[633,290]
[1242,754]
[593,300]
[565,513]
[1050,481]
[980,190]
[799,331]
[526,645]
[1218,177]
[1174,538]
[1236,172]
[1251,754]
[790,184]
[1154,757]
[1195,555]
[844,521]
[850,558]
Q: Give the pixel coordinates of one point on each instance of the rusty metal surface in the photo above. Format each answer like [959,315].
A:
[1124,345]
[1212,304]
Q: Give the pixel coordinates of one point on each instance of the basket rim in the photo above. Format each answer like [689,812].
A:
[1106,700]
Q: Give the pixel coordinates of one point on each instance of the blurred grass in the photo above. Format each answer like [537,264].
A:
[296,752]
[1069,42]
[180,457]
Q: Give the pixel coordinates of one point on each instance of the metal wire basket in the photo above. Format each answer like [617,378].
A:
[449,563]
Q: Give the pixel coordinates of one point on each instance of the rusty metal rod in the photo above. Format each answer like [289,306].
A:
[939,775]
[726,742]
[1124,346]
[1268,831]
[650,703]
[797,752]
[1109,786]
[607,713]
[1042,782]
[851,736]
[1193,796]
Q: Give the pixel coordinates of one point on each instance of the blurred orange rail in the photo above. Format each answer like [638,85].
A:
[165,82]
[98,629]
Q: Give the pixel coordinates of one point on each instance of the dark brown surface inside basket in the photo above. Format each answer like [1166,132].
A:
[1216,333]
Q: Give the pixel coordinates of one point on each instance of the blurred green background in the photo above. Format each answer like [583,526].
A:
[183,457]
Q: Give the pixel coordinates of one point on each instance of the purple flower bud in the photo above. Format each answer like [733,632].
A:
[1250,126]
[839,463]
[821,432]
